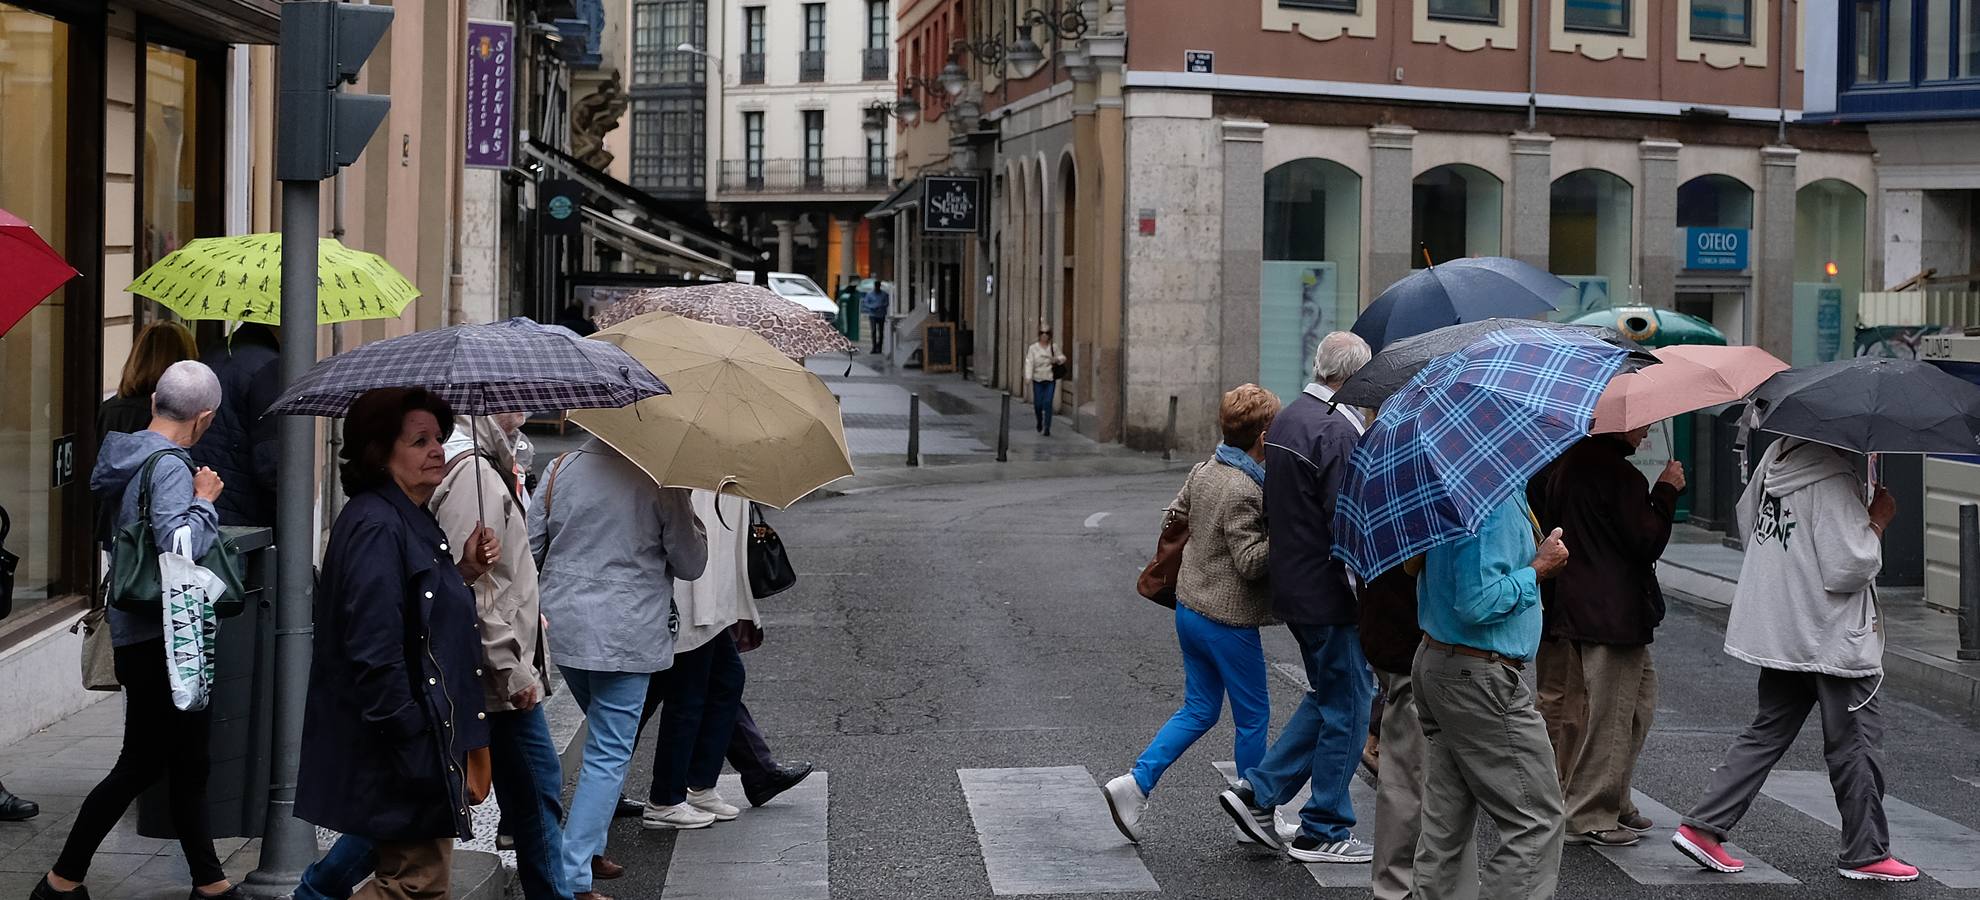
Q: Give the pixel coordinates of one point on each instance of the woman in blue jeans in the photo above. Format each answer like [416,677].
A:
[1040,360]
[1222,597]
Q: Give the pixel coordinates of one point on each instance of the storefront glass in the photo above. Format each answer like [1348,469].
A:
[1588,242]
[1457,209]
[1828,236]
[1311,282]
[171,135]
[34,155]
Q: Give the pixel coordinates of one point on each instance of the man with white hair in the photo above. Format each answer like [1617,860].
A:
[1306,458]
[161,741]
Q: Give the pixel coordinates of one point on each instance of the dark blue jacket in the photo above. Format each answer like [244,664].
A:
[240,446]
[1306,459]
[394,684]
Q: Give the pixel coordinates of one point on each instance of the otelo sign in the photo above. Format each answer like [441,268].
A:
[1715,249]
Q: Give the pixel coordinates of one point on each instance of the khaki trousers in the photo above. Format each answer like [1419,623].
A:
[410,870]
[1399,796]
[1486,749]
[1598,700]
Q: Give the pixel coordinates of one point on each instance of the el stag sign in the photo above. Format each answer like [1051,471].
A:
[951,204]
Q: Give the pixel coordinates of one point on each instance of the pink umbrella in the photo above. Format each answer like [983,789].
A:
[1689,377]
[34,270]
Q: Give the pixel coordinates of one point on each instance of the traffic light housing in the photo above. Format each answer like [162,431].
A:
[319,128]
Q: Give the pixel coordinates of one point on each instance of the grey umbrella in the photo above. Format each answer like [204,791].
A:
[1396,364]
[1873,405]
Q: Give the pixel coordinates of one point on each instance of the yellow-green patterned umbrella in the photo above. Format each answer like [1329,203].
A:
[240,279]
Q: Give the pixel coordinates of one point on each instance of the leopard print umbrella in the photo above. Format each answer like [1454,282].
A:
[795,331]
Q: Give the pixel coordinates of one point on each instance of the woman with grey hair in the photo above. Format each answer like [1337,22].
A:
[160,740]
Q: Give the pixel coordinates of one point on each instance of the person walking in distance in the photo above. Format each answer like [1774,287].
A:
[161,741]
[1041,363]
[874,307]
[1598,688]
[1306,456]
[1222,597]
[1805,612]
[1478,601]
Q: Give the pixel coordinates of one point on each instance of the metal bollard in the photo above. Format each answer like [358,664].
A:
[1004,428]
[914,430]
[1169,433]
[1969,581]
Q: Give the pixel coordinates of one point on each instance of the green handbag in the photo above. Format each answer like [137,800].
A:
[134,586]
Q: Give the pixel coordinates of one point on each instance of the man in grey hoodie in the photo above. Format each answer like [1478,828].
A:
[1805,612]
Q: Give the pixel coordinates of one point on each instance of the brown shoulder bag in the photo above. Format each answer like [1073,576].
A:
[1158,578]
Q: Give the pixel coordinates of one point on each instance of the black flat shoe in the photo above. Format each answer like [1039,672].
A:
[780,779]
[233,892]
[46,891]
[15,809]
[628,808]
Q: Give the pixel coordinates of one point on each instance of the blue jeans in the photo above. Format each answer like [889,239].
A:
[1218,660]
[1042,394]
[611,702]
[529,781]
[1322,743]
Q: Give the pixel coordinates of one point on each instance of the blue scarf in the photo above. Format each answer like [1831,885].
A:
[1241,461]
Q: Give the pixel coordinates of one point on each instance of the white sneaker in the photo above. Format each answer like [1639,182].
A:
[1126,801]
[680,816]
[711,802]
[1287,828]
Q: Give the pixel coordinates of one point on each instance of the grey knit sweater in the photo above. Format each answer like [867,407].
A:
[1223,567]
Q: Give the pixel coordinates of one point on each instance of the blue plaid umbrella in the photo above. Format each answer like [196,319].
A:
[1462,436]
[480,370]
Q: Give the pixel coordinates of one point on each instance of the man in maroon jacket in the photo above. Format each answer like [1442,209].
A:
[1598,689]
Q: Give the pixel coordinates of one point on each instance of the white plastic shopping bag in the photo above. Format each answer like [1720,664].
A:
[189,622]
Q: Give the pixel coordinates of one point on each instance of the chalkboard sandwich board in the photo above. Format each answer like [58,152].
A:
[938,347]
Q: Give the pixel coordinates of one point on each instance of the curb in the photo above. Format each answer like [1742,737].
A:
[1941,679]
[983,473]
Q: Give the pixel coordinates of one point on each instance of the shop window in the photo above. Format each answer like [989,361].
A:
[1311,280]
[1829,270]
[1715,201]
[171,153]
[1456,214]
[1589,224]
[34,158]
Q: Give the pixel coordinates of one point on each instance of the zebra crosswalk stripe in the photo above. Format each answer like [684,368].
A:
[1655,861]
[1330,875]
[1944,850]
[1047,831]
[774,852]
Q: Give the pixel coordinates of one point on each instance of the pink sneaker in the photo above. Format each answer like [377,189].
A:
[1706,851]
[1892,869]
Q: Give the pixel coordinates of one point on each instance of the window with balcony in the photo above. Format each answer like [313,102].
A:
[753,150]
[878,45]
[811,61]
[1730,21]
[1603,16]
[1465,10]
[814,148]
[876,160]
[752,55]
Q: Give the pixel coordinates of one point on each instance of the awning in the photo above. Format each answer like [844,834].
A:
[235,21]
[640,242]
[906,196]
[687,220]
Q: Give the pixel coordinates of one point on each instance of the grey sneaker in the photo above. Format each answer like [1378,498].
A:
[1614,837]
[1260,824]
[1309,849]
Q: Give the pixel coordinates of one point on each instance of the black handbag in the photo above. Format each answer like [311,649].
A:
[1061,372]
[7,563]
[770,571]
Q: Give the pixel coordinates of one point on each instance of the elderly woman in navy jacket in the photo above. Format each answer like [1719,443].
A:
[394,688]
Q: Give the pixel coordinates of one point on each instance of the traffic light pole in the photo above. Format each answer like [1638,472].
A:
[288,844]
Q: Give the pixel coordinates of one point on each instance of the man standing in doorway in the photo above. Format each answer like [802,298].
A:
[874,306]
[1306,461]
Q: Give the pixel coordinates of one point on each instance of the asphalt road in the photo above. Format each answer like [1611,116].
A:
[995,626]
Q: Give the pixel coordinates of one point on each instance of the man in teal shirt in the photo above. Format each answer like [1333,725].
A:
[1478,601]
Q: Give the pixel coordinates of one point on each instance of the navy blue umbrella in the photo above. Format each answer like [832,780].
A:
[1462,290]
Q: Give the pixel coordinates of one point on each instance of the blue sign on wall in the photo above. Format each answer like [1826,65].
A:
[1721,249]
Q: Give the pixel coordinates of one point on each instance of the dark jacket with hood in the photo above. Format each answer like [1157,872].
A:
[394,685]
[240,446]
[1615,526]
[173,504]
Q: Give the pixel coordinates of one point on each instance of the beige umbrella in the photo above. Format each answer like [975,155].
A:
[741,418]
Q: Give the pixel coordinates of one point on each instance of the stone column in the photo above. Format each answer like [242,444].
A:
[1770,302]
[1243,248]
[1533,198]
[848,241]
[1657,197]
[786,244]
[1390,148]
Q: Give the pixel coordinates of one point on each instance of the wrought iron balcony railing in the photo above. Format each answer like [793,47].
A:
[840,175]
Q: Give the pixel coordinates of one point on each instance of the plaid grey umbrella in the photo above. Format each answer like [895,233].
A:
[480,370]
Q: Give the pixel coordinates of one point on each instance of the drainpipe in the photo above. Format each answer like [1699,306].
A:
[1780,62]
[1533,63]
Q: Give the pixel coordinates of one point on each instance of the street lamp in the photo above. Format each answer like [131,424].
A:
[713,60]
[1066,24]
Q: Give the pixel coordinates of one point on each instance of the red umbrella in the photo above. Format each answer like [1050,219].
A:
[34,270]
[1690,377]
